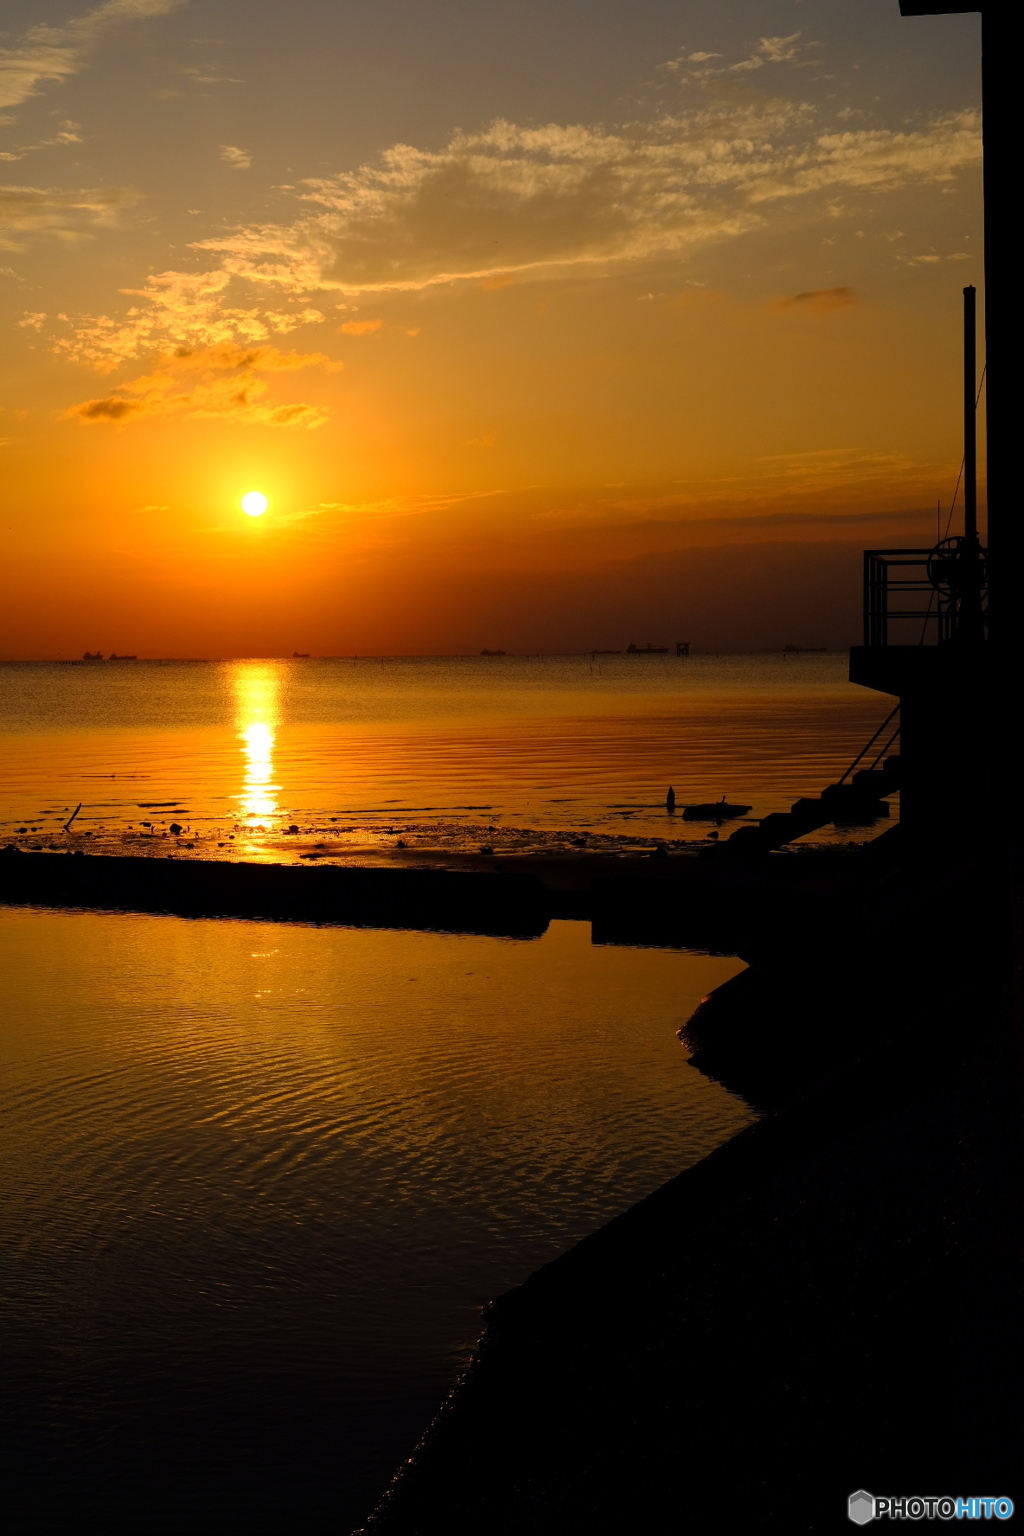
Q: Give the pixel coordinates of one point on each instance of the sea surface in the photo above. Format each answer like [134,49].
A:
[514,753]
[260,1178]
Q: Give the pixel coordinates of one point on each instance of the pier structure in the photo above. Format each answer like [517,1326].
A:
[943,630]
[927,641]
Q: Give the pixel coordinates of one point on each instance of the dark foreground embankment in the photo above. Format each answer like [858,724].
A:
[831,1301]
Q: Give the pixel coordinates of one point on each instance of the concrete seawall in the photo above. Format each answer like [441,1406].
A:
[674,902]
[508,905]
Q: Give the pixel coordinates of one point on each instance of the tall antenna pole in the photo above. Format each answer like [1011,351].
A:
[970,419]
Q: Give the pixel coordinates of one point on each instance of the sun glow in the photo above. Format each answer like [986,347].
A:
[254,503]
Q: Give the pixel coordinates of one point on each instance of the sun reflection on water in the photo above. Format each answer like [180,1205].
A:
[256,686]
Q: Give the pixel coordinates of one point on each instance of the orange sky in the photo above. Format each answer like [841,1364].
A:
[543,356]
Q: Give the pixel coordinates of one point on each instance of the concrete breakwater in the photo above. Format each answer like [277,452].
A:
[675,902]
[403,898]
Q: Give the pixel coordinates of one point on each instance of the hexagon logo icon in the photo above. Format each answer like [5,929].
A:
[861,1507]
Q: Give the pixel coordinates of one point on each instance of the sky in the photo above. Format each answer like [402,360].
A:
[545,325]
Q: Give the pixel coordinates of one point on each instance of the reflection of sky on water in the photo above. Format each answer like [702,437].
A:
[256,688]
[537,743]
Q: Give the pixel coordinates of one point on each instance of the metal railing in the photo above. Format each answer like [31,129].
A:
[882,750]
[935,595]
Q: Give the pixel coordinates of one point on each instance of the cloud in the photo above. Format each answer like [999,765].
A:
[199,77]
[393,507]
[514,202]
[536,201]
[222,381]
[772,50]
[44,53]
[238,159]
[111,409]
[359,327]
[38,210]
[769,50]
[177,308]
[821,301]
[782,50]
[67,134]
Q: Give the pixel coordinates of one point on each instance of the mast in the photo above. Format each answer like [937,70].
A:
[970,420]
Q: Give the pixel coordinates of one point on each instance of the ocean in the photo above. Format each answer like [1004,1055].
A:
[260,1178]
[517,753]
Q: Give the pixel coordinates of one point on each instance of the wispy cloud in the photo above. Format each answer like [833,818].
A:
[360,327]
[773,50]
[66,135]
[222,381]
[45,54]
[391,506]
[65,215]
[238,159]
[529,202]
[177,308]
[200,75]
[821,301]
[698,65]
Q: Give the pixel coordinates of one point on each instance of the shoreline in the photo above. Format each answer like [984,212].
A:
[829,1301]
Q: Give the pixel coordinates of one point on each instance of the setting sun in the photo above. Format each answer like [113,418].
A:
[254,503]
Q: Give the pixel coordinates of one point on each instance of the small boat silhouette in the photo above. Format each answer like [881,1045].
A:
[714,810]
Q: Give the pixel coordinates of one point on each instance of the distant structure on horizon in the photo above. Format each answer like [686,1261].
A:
[486,652]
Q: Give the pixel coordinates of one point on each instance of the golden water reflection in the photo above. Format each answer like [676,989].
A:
[256,686]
